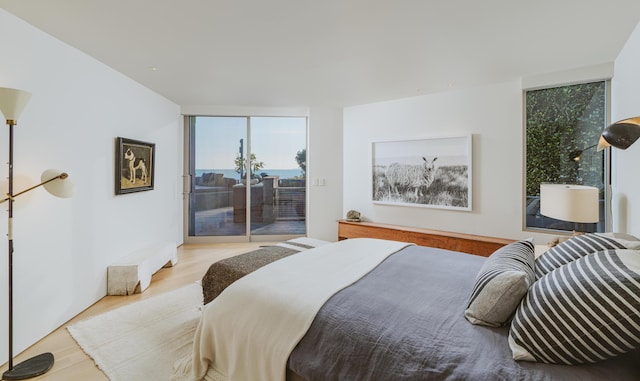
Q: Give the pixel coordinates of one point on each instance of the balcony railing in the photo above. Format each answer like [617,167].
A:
[290,203]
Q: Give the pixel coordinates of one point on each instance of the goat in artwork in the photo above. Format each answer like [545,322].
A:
[411,178]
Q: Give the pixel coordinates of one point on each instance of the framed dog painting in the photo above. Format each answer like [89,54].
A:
[134,165]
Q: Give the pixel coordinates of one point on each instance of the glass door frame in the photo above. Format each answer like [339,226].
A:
[189,183]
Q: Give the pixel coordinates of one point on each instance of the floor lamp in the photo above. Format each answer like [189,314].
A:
[12,102]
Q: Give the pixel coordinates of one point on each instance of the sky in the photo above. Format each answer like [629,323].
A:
[274,140]
[449,151]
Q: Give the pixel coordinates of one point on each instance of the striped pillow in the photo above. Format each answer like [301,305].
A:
[581,245]
[501,283]
[583,312]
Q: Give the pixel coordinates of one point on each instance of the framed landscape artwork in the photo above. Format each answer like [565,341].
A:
[134,165]
[434,173]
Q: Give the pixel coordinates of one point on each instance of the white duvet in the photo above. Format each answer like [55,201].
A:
[249,330]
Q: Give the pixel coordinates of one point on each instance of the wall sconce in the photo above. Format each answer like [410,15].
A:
[12,102]
[620,134]
[577,154]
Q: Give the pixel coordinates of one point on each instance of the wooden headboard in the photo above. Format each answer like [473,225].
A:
[466,243]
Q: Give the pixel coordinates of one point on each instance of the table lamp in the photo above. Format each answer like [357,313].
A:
[568,202]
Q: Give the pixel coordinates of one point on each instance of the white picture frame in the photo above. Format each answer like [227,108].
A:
[431,172]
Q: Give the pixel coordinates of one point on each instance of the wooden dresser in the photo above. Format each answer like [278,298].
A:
[466,243]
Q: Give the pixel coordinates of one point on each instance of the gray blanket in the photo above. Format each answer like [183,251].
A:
[405,321]
[222,273]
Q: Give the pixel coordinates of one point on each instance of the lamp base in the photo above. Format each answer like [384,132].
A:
[30,368]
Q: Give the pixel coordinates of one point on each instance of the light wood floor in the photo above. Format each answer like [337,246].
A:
[72,364]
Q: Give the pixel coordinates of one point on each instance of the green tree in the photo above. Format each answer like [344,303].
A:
[560,121]
[240,164]
[301,159]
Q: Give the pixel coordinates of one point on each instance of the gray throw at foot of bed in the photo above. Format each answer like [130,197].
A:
[222,273]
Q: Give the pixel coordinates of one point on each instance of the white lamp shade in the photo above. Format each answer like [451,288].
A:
[12,102]
[574,203]
[63,188]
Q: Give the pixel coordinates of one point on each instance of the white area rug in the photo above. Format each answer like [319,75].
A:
[141,341]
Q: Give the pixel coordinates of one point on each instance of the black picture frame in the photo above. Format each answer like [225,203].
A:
[135,166]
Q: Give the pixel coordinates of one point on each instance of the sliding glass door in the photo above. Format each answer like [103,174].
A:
[247,177]
[215,145]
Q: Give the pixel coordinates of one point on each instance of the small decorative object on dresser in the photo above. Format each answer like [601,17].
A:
[353,216]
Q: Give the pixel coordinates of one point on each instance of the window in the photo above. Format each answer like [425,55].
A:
[562,127]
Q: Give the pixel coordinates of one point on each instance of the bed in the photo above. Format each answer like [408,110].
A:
[399,316]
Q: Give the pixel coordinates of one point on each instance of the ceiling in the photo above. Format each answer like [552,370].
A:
[292,53]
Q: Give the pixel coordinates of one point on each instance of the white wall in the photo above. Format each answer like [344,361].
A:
[492,114]
[325,172]
[63,246]
[625,181]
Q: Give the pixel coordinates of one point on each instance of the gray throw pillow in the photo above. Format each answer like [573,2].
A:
[501,284]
